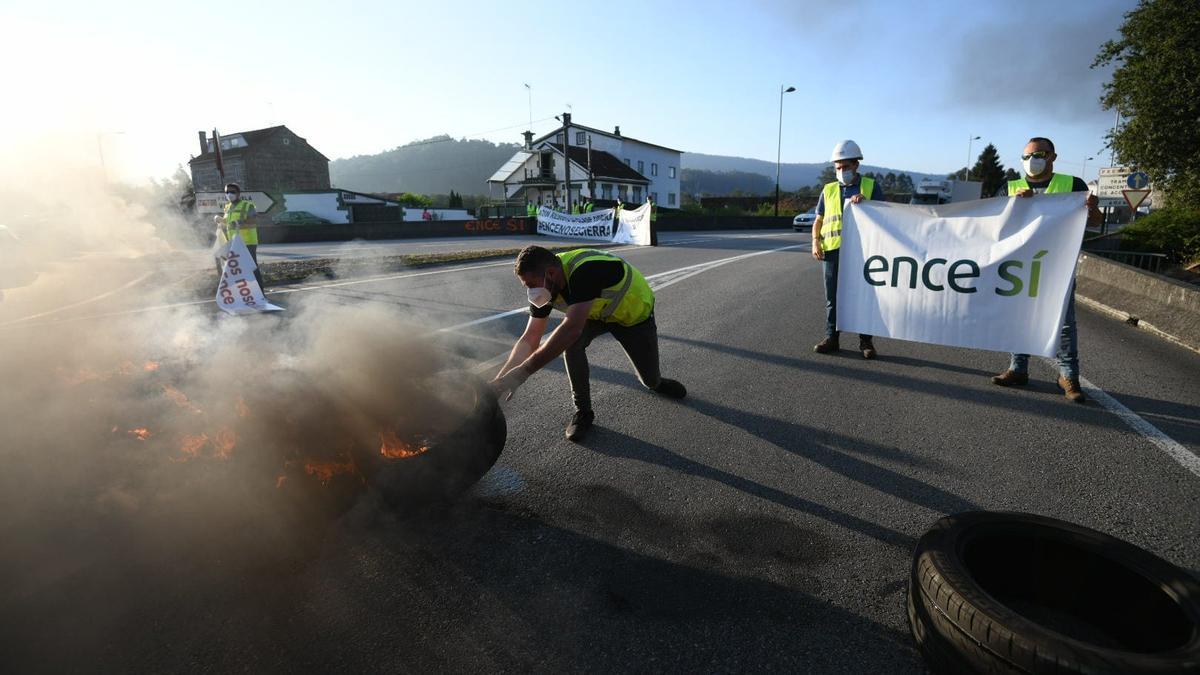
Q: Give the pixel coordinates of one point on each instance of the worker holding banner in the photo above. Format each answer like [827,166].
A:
[599,293]
[240,217]
[827,235]
[1038,164]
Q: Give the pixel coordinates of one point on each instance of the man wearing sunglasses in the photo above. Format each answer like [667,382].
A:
[1038,163]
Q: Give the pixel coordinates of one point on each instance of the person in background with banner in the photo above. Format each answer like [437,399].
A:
[241,217]
[827,235]
[653,221]
[1038,163]
[599,293]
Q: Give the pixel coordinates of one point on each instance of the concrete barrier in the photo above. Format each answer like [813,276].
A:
[1166,307]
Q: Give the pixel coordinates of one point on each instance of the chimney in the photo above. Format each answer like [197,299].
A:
[528,140]
[617,130]
[203,142]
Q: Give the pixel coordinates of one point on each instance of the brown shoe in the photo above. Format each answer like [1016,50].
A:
[1071,390]
[867,347]
[829,344]
[1010,378]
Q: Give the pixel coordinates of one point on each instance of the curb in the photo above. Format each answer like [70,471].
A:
[1127,318]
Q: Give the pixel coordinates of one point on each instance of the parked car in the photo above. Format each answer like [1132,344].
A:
[804,220]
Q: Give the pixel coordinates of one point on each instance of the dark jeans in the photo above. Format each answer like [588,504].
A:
[831,275]
[1068,347]
[640,343]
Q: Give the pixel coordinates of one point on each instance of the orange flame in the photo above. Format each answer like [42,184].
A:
[191,446]
[179,398]
[140,433]
[223,443]
[325,471]
[393,448]
[150,366]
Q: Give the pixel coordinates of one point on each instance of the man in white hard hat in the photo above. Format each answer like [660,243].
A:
[1038,161]
[827,235]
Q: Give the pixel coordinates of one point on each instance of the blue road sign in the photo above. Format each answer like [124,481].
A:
[1137,180]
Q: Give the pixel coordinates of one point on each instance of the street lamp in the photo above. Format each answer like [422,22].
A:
[1083,173]
[967,171]
[779,143]
[100,148]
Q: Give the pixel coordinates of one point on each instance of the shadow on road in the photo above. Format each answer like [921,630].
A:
[616,444]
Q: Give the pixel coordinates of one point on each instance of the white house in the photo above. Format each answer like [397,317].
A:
[603,166]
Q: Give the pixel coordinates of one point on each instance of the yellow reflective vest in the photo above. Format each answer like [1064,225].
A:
[1059,182]
[628,302]
[831,222]
[236,212]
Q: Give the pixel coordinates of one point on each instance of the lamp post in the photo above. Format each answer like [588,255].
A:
[100,148]
[529,90]
[967,171]
[779,143]
[1083,173]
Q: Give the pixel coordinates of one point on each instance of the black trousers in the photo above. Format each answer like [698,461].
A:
[640,343]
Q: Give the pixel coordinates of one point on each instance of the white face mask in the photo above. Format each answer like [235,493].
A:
[1034,166]
[541,296]
[231,196]
[846,176]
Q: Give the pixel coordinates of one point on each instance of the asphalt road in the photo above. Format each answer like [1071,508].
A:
[765,522]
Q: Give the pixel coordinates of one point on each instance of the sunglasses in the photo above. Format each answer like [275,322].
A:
[1040,154]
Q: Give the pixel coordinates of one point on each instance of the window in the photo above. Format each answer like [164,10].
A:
[606,191]
[653,169]
[641,167]
[558,138]
[637,194]
[670,199]
[654,197]
[671,172]
[622,192]
[580,138]
[626,161]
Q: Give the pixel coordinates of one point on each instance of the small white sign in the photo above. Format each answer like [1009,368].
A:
[212,203]
[1113,182]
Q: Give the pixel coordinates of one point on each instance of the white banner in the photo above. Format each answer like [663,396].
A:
[989,274]
[596,225]
[633,226]
[239,292]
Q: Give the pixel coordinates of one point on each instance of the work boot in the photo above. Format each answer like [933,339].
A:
[828,345]
[670,388]
[866,346]
[580,423]
[1010,378]
[1071,390]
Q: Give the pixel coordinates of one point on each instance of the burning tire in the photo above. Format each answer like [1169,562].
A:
[439,458]
[1018,593]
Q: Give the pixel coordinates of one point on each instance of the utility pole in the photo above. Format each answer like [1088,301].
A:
[779,144]
[529,90]
[591,174]
[566,120]
[967,173]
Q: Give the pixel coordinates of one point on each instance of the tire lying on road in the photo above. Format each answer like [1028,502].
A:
[444,456]
[1019,593]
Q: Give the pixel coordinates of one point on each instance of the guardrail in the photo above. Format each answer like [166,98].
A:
[1151,262]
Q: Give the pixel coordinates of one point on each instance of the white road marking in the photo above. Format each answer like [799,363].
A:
[1173,448]
[78,304]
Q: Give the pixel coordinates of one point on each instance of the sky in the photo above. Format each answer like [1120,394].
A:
[912,82]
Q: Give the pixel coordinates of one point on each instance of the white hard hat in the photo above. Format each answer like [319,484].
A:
[846,150]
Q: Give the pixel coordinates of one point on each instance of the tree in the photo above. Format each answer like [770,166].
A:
[989,171]
[827,175]
[904,183]
[1155,88]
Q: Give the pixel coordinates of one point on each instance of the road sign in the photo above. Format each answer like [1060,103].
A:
[1135,197]
[1110,202]
[210,203]
[1137,180]
[1113,181]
